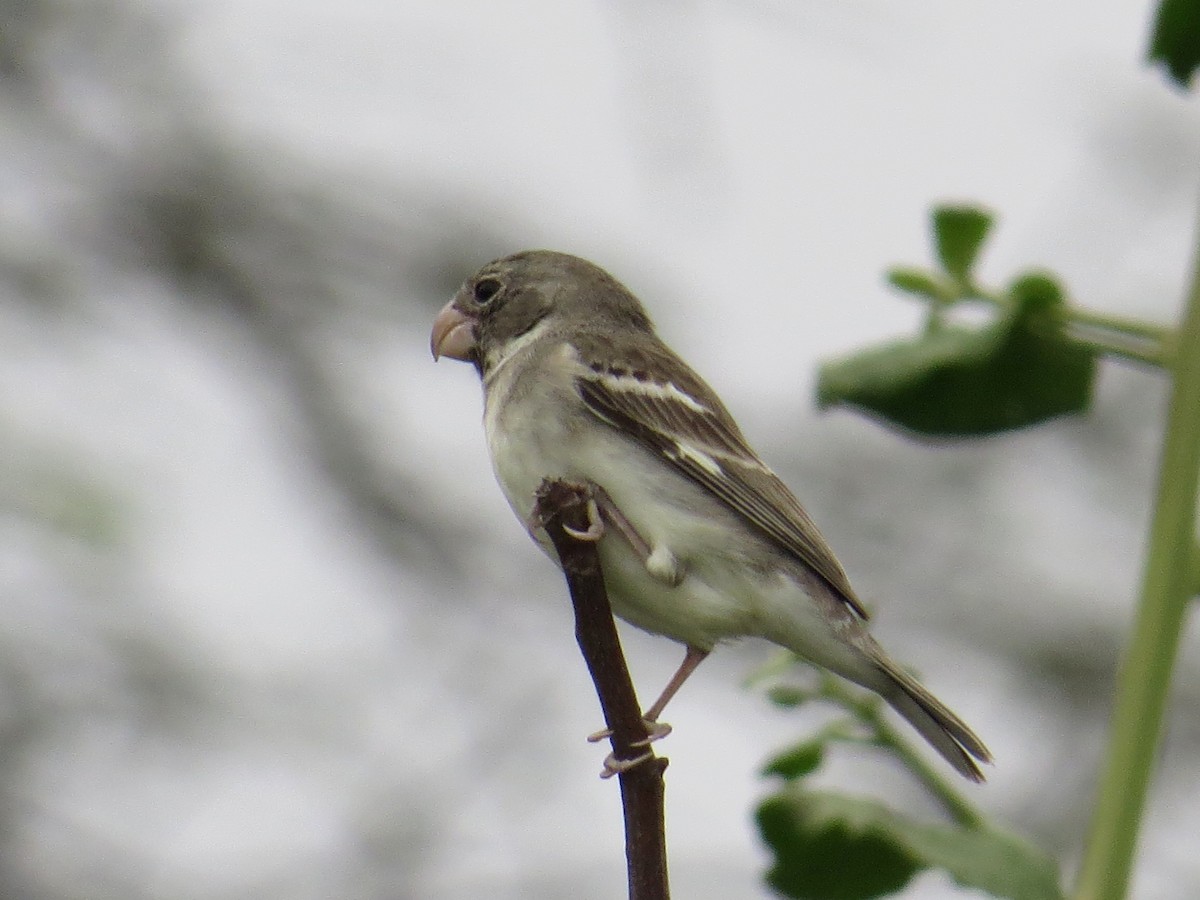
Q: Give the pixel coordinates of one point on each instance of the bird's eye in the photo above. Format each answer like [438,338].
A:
[486,289]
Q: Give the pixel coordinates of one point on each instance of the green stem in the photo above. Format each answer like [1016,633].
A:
[1145,675]
[1119,324]
[959,808]
[1131,339]
[1194,581]
[1144,352]
[935,316]
[869,709]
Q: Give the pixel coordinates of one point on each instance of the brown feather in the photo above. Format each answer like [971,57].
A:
[659,422]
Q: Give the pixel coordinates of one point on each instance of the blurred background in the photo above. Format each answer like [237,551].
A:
[268,628]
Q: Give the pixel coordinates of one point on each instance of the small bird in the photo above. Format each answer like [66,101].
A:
[707,543]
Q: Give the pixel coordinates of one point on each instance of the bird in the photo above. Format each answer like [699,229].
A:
[708,544]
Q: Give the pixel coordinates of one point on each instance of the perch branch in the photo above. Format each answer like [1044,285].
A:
[560,506]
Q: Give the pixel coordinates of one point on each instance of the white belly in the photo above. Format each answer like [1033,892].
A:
[708,605]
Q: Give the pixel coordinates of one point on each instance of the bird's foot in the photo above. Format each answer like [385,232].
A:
[656,732]
[538,517]
[614,766]
[595,529]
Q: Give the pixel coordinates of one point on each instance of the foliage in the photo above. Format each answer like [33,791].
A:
[1176,39]
[830,846]
[834,847]
[1035,357]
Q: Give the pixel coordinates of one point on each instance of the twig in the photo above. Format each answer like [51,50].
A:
[562,503]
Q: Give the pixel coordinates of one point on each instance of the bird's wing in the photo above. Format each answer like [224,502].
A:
[652,396]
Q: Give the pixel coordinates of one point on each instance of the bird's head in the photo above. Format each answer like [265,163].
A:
[509,297]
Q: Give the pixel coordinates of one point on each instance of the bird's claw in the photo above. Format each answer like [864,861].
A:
[614,766]
[595,529]
[538,518]
[656,732]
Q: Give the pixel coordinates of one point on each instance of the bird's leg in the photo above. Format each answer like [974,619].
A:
[659,561]
[691,660]
[613,515]
[657,729]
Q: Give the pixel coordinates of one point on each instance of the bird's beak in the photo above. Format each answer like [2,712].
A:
[453,334]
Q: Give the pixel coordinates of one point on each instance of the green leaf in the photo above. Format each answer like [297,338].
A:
[828,848]
[796,762]
[1176,39]
[956,382]
[788,696]
[1037,293]
[831,847]
[958,233]
[920,282]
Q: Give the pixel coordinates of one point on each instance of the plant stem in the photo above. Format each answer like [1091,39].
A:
[935,316]
[1194,582]
[1119,324]
[959,808]
[1131,339]
[1077,315]
[1142,351]
[870,709]
[1145,675]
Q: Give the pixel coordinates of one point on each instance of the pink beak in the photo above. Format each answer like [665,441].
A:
[453,334]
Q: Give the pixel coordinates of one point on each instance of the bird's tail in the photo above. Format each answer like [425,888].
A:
[945,731]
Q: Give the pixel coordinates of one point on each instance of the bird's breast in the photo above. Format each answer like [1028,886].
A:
[531,436]
[541,431]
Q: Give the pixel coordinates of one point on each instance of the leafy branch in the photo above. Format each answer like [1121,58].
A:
[959,233]
[1034,360]
[821,839]
[865,725]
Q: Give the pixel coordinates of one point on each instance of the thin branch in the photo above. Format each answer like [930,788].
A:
[562,503]
[1136,328]
[1121,346]
[1116,336]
